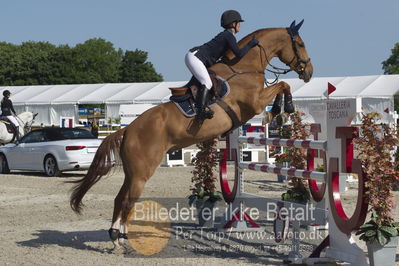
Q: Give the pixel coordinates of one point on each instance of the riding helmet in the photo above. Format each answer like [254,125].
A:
[230,16]
[6,93]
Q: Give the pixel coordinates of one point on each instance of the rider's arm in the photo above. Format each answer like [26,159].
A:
[12,108]
[239,52]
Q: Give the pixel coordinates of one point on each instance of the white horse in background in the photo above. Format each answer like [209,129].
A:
[25,121]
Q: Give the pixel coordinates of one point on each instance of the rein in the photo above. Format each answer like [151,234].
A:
[235,72]
[277,71]
[26,125]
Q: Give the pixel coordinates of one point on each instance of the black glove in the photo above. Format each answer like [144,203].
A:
[253,42]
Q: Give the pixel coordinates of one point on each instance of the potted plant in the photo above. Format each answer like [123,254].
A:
[298,191]
[376,146]
[203,192]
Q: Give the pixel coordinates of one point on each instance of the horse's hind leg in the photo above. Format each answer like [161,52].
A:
[140,162]
[114,231]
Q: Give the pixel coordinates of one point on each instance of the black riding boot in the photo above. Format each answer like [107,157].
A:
[202,98]
[16,133]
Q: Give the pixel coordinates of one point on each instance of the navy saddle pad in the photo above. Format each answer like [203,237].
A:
[187,105]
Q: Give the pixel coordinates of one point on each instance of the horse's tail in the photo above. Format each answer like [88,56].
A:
[105,158]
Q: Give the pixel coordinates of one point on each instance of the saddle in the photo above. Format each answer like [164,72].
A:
[10,127]
[185,97]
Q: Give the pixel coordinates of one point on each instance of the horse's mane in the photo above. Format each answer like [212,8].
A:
[256,34]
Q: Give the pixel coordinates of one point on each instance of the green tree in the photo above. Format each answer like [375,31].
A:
[9,60]
[134,68]
[391,65]
[34,67]
[96,61]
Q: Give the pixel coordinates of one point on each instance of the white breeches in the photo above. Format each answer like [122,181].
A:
[198,69]
[13,120]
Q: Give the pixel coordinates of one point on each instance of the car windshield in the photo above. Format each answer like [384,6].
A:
[68,133]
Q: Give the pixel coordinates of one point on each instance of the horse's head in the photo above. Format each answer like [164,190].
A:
[27,119]
[294,53]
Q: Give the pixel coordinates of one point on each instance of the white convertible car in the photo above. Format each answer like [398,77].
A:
[50,150]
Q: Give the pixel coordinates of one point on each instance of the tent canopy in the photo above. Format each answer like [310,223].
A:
[156,92]
[52,101]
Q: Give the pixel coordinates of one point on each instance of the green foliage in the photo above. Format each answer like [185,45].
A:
[298,194]
[94,61]
[320,168]
[391,65]
[372,231]
[204,179]
[134,67]
[375,146]
[282,158]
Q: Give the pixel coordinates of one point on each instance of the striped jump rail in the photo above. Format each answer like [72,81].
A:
[266,168]
[306,144]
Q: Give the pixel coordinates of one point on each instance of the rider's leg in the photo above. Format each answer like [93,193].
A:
[198,69]
[14,122]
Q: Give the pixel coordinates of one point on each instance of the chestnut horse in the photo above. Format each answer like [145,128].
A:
[141,145]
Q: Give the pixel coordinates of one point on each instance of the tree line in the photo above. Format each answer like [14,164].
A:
[94,61]
[391,66]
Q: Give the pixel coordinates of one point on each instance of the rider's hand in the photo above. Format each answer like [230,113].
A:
[253,42]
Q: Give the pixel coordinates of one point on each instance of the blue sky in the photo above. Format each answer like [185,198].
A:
[343,38]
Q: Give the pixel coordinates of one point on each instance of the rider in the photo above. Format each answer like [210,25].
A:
[7,108]
[199,58]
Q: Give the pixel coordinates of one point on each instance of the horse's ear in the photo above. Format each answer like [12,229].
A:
[297,27]
[294,29]
[292,26]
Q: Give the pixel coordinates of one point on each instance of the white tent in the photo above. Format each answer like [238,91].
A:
[374,93]
[53,101]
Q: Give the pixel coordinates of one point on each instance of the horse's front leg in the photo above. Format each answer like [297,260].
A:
[289,107]
[277,91]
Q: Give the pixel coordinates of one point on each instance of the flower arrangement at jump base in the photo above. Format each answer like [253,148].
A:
[204,179]
[281,159]
[376,146]
[298,191]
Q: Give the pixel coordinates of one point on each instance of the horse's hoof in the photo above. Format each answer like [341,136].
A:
[289,108]
[288,105]
[284,118]
[122,236]
[267,118]
[276,110]
[113,234]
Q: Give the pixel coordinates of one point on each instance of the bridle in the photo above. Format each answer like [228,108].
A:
[277,71]
[299,60]
[281,71]
[26,125]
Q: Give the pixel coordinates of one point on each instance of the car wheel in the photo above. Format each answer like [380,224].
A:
[4,169]
[51,167]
